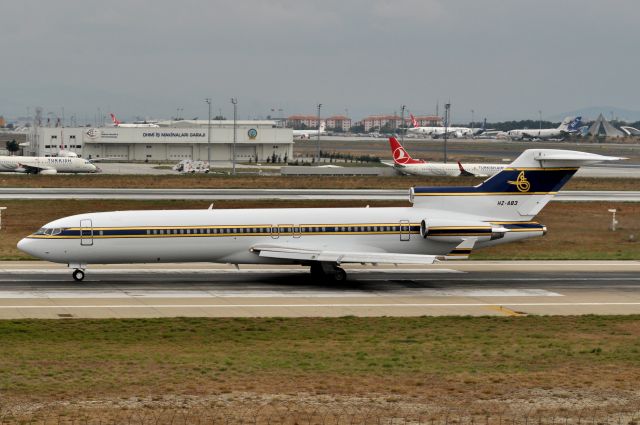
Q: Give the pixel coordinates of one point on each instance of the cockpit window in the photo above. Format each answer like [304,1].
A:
[49,231]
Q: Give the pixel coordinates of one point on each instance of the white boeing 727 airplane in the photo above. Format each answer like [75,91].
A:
[45,165]
[443,223]
[403,162]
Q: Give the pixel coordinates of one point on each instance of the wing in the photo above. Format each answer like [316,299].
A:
[292,252]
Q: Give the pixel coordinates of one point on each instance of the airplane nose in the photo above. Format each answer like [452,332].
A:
[27,245]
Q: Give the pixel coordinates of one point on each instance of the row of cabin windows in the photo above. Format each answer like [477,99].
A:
[268,230]
[66,146]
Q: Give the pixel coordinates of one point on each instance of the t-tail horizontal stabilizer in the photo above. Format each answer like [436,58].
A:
[516,193]
[462,251]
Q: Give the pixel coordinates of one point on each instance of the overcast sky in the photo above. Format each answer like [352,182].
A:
[503,59]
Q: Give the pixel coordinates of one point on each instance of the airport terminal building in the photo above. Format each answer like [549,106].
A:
[170,141]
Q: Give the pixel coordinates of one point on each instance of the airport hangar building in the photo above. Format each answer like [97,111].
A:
[170,141]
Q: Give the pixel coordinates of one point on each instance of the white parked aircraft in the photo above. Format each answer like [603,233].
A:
[117,123]
[567,126]
[403,162]
[436,132]
[443,223]
[45,165]
[306,134]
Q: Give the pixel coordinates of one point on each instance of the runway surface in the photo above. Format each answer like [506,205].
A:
[264,194]
[43,290]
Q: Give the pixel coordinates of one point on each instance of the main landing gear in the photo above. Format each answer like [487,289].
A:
[78,275]
[328,271]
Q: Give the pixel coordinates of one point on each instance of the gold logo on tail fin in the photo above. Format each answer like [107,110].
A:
[521,182]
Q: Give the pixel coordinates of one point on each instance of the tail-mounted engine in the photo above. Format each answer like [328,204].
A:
[455,231]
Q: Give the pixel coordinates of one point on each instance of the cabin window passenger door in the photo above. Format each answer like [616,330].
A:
[86,232]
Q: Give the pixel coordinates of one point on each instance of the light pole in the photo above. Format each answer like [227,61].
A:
[540,115]
[447,106]
[235,116]
[208,100]
[472,120]
[402,129]
[318,136]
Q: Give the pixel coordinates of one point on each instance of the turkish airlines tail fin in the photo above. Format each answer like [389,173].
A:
[115,120]
[414,122]
[400,155]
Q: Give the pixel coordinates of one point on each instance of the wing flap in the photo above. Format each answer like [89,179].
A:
[302,254]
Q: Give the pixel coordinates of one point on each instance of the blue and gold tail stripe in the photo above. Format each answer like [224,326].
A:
[229,230]
[510,181]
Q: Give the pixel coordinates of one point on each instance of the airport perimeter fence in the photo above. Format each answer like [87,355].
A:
[300,414]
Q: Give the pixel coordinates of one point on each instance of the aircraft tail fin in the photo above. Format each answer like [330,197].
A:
[414,122]
[574,125]
[570,124]
[114,119]
[400,155]
[516,193]
[323,126]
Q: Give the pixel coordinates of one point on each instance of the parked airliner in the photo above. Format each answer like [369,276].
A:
[117,123]
[568,126]
[45,165]
[443,223]
[436,132]
[405,164]
[306,134]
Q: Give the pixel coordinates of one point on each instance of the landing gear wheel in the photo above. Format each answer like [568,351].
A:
[339,275]
[316,270]
[78,275]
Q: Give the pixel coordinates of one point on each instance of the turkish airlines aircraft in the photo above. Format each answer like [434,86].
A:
[306,134]
[117,123]
[443,223]
[45,165]
[403,162]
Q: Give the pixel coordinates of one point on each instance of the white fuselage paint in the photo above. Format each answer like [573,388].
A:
[440,131]
[236,248]
[545,133]
[60,164]
[438,169]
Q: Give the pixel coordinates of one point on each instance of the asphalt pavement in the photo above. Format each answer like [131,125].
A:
[43,290]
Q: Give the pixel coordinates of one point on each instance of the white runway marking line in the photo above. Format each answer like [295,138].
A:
[283,293]
[368,305]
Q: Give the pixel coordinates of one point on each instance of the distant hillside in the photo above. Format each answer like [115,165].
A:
[592,113]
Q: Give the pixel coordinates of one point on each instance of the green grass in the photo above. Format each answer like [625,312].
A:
[45,359]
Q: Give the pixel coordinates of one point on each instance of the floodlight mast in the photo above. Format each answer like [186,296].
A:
[208,100]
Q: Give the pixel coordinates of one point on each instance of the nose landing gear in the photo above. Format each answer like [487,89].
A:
[78,275]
